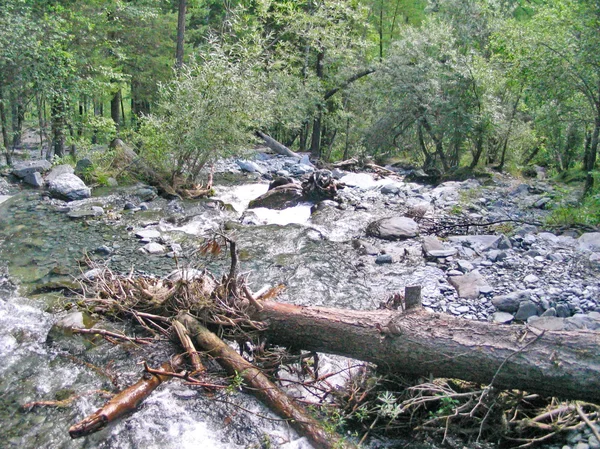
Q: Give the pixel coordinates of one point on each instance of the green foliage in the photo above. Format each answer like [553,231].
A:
[586,212]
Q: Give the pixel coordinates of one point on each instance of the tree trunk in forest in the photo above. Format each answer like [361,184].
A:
[180,33]
[478,148]
[139,106]
[58,127]
[590,158]
[115,109]
[418,343]
[18,117]
[260,386]
[4,125]
[278,147]
[315,141]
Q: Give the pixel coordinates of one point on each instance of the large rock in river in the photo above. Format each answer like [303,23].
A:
[69,187]
[393,228]
[279,198]
[22,169]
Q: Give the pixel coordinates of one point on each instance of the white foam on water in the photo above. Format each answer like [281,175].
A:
[293,215]
[240,196]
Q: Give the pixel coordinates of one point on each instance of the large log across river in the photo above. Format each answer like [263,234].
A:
[550,363]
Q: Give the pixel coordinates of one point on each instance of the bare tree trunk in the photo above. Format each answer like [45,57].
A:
[315,142]
[418,343]
[180,33]
[260,386]
[278,147]
[18,117]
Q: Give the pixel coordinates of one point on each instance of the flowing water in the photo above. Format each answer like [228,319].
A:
[311,255]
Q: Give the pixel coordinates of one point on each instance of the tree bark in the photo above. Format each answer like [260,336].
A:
[418,343]
[4,126]
[279,148]
[124,402]
[180,33]
[58,127]
[115,109]
[315,141]
[261,386]
[590,159]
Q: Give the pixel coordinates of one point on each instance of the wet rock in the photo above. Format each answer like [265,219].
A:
[104,250]
[93,211]
[434,248]
[393,228]
[279,198]
[526,309]
[365,247]
[590,241]
[468,285]
[384,259]
[93,274]
[510,302]
[129,206]
[69,187]
[146,193]
[154,248]
[58,171]
[22,169]
[147,234]
[73,320]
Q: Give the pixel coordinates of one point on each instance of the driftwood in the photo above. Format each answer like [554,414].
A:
[124,402]
[278,147]
[321,185]
[418,343]
[261,386]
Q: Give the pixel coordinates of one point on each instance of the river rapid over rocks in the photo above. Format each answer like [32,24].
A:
[380,235]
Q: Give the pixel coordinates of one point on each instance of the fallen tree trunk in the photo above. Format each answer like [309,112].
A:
[124,402]
[261,386]
[279,148]
[419,343]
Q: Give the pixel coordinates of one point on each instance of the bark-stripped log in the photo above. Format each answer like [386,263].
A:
[124,402]
[261,386]
[561,364]
[279,148]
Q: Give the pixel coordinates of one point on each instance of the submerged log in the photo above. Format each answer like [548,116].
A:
[124,402]
[262,387]
[418,343]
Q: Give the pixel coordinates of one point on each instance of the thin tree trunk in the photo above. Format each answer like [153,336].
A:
[115,109]
[590,160]
[315,142]
[278,147]
[4,124]
[58,128]
[18,117]
[510,125]
[418,343]
[380,30]
[180,33]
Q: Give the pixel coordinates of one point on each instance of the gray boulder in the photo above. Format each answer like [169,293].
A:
[69,187]
[590,241]
[432,247]
[548,323]
[34,179]
[250,167]
[510,303]
[526,309]
[59,170]
[468,286]
[83,165]
[154,248]
[22,169]
[391,189]
[393,228]
[279,198]
[502,317]
[478,242]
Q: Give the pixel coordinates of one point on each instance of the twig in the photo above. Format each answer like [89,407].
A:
[108,334]
[587,421]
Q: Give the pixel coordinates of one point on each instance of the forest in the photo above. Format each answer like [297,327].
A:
[450,85]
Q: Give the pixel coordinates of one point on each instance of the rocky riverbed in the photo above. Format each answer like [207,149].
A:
[377,236]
